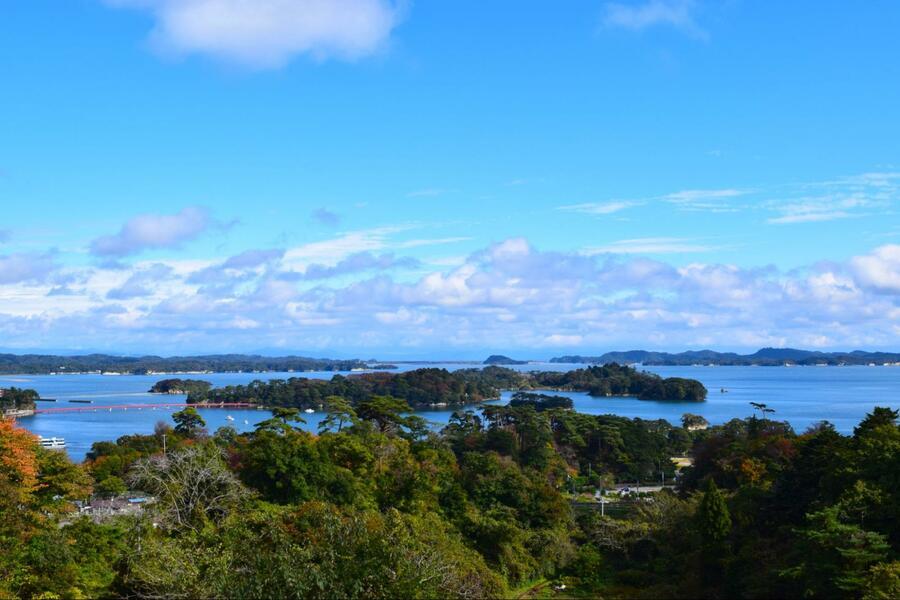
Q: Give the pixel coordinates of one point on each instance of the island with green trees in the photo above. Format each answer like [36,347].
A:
[499,359]
[17,402]
[435,388]
[180,386]
[513,502]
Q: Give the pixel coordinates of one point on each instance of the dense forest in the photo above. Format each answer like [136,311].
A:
[438,387]
[497,505]
[36,364]
[765,357]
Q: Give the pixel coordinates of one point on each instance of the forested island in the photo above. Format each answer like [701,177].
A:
[766,357]
[499,359]
[41,364]
[180,386]
[499,505]
[433,387]
[15,400]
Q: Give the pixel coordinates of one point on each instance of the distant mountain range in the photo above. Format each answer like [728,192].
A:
[34,364]
[763,357]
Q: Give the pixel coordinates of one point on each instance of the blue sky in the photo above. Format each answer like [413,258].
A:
[362,177]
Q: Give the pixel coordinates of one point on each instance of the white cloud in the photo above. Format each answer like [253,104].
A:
[151,231]
[819,209]
[650,245]
[879,270]
[810,217]
[715,201]
[427,193]
[21,267]
[509,295]
[678,14]
[599,208]
[269,33]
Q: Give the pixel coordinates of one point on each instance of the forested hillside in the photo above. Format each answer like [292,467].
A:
[375,506]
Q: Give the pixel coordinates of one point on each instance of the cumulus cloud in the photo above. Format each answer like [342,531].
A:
[509,294]
[252,258]
[141,283]
[880,270]
[26,267]
[356,263]
[678,14]
[269,33]
[152,231]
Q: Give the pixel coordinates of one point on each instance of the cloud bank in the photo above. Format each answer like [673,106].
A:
[355,293]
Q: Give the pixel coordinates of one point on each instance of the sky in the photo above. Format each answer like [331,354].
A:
[412,179]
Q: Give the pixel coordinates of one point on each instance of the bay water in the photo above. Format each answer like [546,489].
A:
[801,396]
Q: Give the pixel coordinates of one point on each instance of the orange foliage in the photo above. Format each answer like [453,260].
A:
[18,462]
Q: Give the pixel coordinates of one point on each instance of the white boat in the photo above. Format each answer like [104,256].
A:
[229,418]
[309,411]
[53,443]
[246,422]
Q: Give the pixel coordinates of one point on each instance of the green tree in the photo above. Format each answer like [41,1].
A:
[713,518]
[833,558]
[386,412]
[111,486]
[338,412]
[883,582]
[188,422]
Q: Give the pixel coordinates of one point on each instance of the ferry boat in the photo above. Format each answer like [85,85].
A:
[53,443]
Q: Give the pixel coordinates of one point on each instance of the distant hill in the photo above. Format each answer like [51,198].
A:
[499,359]
[762,357]
[35,364]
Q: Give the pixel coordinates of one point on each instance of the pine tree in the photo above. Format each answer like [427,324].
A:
[713,518]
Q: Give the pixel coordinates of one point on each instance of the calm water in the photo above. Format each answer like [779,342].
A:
[799,395]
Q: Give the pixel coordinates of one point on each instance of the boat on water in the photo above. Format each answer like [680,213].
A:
[229,418]
[309,411]
[53,443]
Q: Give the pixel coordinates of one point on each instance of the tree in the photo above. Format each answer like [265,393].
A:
[713,522]
[188,422]
[338,411]
[192,486]
[111,486]
[691,422]
[385,411]
[713,518]
[833,558]
[883,582]
[280,421]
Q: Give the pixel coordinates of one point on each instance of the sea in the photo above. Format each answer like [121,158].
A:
[802,396]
